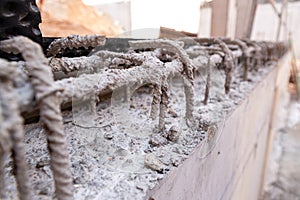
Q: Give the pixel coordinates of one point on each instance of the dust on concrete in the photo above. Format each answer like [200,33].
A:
[108,154]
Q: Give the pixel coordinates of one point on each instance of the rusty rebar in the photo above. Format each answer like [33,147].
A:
[189,99]
[229,65]
[228,59]
[171,46]
[12,133]
[95,63]
[75,41]
[5,146]
[148,70]
[5,140]
[245,53]
[16,132]
[68,65]
[188,66]
[50,114]
[257,57]
[208,79]
[163,106]
[134,58]
[155,101]
[91,82]
[4,149]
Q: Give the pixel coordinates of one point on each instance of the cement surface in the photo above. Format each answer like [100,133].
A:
[107,150]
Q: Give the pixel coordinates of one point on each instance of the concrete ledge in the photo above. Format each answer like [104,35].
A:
[234,167]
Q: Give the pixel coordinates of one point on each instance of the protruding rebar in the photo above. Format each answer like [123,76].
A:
[5,146]
[75,41]
[228,59]
[188,66]
[163,105]
[189,99]
[245,56]
[12,134]
[155,101]
[207,86]
[171,46]
[42,82]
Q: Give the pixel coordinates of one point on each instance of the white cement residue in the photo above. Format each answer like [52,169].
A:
[107,154]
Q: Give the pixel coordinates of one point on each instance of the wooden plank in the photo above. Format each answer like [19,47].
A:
[232,18]
[220,11]
[173,34]
[245,17]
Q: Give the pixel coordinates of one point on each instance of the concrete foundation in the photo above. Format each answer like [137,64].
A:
[234,167]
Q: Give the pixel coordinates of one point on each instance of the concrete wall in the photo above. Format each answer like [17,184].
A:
[234,168]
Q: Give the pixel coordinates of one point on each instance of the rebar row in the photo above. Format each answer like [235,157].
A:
[148,62]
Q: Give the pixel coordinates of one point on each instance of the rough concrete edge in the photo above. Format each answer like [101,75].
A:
[220,127]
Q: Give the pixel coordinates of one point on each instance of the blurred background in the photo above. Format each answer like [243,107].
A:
[255,19]
[271,20]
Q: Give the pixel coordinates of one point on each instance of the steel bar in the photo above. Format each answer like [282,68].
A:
[46,95]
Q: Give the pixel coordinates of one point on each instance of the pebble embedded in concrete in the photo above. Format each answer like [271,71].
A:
[153,163]
[158,140]
[173,133]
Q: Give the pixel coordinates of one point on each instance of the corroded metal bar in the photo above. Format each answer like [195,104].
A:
[67,84]
[155,101]
[245,56]
[188,66]
[42,82]
[75,41]
[147,67]
[228,58]
[170,46]
[12,133]
[16,131]
[163,105]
